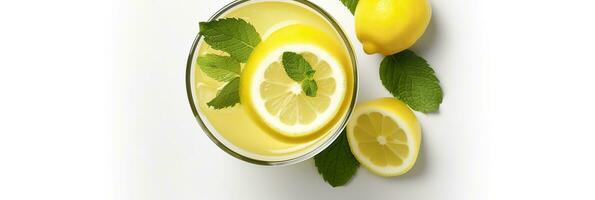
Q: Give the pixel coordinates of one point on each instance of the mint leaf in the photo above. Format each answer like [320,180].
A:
[409,78]
[309,87]
[350,4]
[296,67]
[336,164]
[310,74]
[221,68]
[232,35]
[228,96]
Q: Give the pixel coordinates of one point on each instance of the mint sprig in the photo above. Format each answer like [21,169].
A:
[336,164]
[298,69]
[232,35]
[235,37]
[409,78]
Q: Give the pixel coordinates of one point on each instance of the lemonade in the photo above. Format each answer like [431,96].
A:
[276,120]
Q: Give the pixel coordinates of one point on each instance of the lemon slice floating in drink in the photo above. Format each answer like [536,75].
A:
[276,101]
[384,136]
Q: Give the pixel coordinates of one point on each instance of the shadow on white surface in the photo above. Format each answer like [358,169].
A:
[427,43]
[419,169]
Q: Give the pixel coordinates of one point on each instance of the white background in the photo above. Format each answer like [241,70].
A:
[93,106]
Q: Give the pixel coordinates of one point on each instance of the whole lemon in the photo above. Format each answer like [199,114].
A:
[390,26]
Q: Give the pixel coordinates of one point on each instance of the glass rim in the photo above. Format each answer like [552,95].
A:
[311,153]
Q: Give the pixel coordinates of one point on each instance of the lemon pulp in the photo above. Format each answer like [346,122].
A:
[384,135]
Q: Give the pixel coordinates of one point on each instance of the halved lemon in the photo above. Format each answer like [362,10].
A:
[275,100]
[384,135]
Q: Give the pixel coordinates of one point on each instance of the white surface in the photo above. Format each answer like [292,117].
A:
[89,116]
[55,65]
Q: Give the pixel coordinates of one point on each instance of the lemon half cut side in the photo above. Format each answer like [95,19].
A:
[384,136]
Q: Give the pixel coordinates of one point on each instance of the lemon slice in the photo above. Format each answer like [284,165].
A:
[384,135]
[278,102]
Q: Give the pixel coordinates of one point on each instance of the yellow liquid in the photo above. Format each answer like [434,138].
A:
[235,127]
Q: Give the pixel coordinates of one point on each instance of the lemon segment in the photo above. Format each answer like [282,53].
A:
[384,136]
[276,101]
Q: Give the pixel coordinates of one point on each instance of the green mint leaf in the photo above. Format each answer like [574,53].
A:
[228,96]
[296,67]
[310,74]
[309,87]
[336,164]
[232,35]
[409,78]
[221,68]
[350,4]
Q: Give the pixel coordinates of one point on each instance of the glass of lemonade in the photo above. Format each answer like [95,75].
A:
[251,137]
